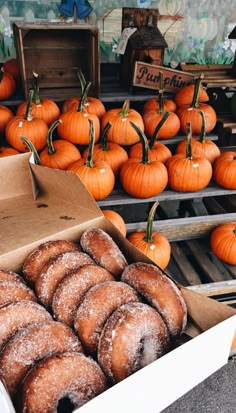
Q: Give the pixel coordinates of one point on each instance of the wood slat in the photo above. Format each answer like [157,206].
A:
[183,264]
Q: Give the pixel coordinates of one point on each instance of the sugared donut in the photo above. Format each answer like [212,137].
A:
[18,315]
[7,275]
[70,379]
[72,288]
[103,249]
[160,291]
[134,336]
[39,256]
[55,270]
[11,291]
[96,307]
[32,344]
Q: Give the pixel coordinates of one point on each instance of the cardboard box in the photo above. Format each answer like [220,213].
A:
[39,204]
[56,52]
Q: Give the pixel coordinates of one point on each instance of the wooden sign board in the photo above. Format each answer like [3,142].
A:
[147,76]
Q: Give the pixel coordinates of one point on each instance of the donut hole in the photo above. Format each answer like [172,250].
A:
[147,352]
[65,405]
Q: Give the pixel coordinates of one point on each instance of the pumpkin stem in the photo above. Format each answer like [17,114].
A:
[149,227]
[82,101]
[125,108]
[1,74]
[89,159]
[189,141]
[104,143]
[51,149]
[36,97]
[202,136]
[197,85]
[32,149]
[158,127]
[82,83]
[28,113]
[161,92]
[144,141]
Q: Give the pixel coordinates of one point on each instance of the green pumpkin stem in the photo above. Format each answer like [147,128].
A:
[161,92]
[158,127]
[36,96]
[149,227]
[89,159]
[104,142]
[125,108]
[28,113]
[32,149]
[51,149]
[189,141]
[197,85]
[82,80]
[82,101]
[144,141]
[202,136]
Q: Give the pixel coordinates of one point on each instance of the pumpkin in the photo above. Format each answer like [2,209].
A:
[187,173]
[45,109]
[11,66]
[153,104]
[97,176]
[34,129]
[112,153]
[152,244]
[121,131]
[5,115]
[151,119]
[184,96]
[201,146]
[74,126]
[7,151]
[190,113]
[157,151]
[143,178]
[223,242]
[91,104]
[224,170]
[7,85]
[58,154]
[116,219]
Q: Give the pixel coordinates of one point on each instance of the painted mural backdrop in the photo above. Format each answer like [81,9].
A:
[196,31]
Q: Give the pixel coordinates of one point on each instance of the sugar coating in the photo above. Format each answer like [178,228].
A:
[73,287]
[104,251]
[97,306]
[32,344]
[7,275]
[70,375]
[11,291]
[55,270]
[134,336]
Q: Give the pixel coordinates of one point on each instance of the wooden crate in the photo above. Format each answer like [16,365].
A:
[56,52]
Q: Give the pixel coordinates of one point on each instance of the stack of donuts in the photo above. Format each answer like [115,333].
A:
[79,319]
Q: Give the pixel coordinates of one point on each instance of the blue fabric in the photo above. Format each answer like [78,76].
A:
[82,6]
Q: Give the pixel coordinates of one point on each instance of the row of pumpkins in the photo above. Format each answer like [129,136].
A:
[123,144]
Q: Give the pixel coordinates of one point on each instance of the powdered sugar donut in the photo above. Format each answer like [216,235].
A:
[39,257]
[134,336]
[32,344]
[71,378]
[7,275]
[96,307]
[55,270]
[160,291]
[104,251]
[72,288]
[19,315]
[11,291]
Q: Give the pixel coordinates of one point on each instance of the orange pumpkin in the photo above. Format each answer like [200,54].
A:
[184,96]
[143,178]
[5,115]
[186,173]
[224,170]
[11,66]
[121,131]
[116,219]
[112,153]
[7,85]
[152,244]
[223,242]
[153,104]
[7,151]
[97,176]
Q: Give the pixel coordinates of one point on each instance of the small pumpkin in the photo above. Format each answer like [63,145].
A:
[184,96]
[5,115]
[116,219]
[11,66]
[223,242]
[201,146]
[152,244]
[153,104]
[187,173]
[7,151]
[121,131]
[224,170]
[112,153]
[143,178]
[7,85]
[97,176]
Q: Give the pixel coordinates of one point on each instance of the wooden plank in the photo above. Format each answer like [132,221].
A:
[184,265]
[223,291]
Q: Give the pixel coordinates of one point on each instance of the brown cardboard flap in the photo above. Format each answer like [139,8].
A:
[15,178]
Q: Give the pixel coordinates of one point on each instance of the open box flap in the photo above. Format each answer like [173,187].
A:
[15,177]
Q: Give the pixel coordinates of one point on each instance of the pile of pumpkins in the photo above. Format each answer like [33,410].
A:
[120,145]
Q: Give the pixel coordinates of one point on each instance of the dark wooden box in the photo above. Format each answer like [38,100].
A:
[56,52]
